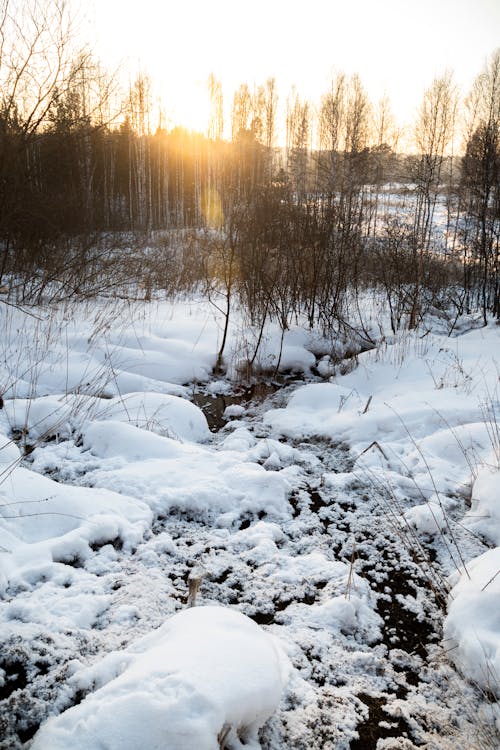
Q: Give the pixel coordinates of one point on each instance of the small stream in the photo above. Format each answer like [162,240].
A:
[352,690]
[351,528]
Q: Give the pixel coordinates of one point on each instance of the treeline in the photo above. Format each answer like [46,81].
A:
[293,229]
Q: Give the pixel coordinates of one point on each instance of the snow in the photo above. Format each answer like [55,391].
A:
[166,474]
[233,410]
[207,672]
[45,523]
[347,615]
[472,627]
[164,414]
[427,518]
[307,513]
[484,515]
[424,434]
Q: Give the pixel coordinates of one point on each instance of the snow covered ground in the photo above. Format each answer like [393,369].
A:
[343,530]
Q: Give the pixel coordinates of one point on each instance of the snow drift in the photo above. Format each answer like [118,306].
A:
[208,673]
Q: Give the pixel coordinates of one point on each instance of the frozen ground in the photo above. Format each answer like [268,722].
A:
[353,518]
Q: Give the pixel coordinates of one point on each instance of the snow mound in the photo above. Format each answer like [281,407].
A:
[45,416]
[166,358]
[188,477]
[166,415]
[160,413]
[317,409]
[428,518]
[288,354]
[207,673]
[484,515]
[472,627]
[347,616]
[43,523]
[9,453]
[114,438]
[233,411]
[327,396]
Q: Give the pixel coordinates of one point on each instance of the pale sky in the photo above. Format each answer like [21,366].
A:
[396,46]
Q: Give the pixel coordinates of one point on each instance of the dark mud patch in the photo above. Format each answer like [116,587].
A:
[378,725]
[317,502]
[214,406]
[16,678]
[262,618]
[402,628]
[27,732]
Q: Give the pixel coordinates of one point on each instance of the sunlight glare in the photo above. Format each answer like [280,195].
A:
[396,47]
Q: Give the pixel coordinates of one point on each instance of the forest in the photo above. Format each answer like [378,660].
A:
[297,208]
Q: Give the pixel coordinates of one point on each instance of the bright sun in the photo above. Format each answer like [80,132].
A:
[159,44]
[184,103]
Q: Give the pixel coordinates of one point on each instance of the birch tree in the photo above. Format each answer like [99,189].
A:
[434,132]
[481,181]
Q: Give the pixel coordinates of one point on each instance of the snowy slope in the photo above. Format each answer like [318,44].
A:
[337,515]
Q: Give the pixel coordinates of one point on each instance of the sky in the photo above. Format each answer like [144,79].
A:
[396,46]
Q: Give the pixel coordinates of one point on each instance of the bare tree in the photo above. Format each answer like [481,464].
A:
[481,181]
[386,137]
[139,112]
[36,58]
[434,131]
[211,196]
[241,115]
[36,66]
[298,130]
[270,96]
[343,160]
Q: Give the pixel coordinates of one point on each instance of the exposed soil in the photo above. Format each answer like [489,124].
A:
[351,689]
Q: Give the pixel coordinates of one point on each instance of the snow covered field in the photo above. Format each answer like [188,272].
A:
[343,530]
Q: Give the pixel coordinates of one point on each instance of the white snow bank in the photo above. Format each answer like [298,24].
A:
[472,626]
[296,358]
[290,352]
[113,438]
[162,413]
[337,412]
[43,522]
[423,405]
[323,396]
[428,518]
[484,515]
[166,415]
[45,416]
[167,474]
[171,359]
[241,440]
[208,672]
[9,454]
